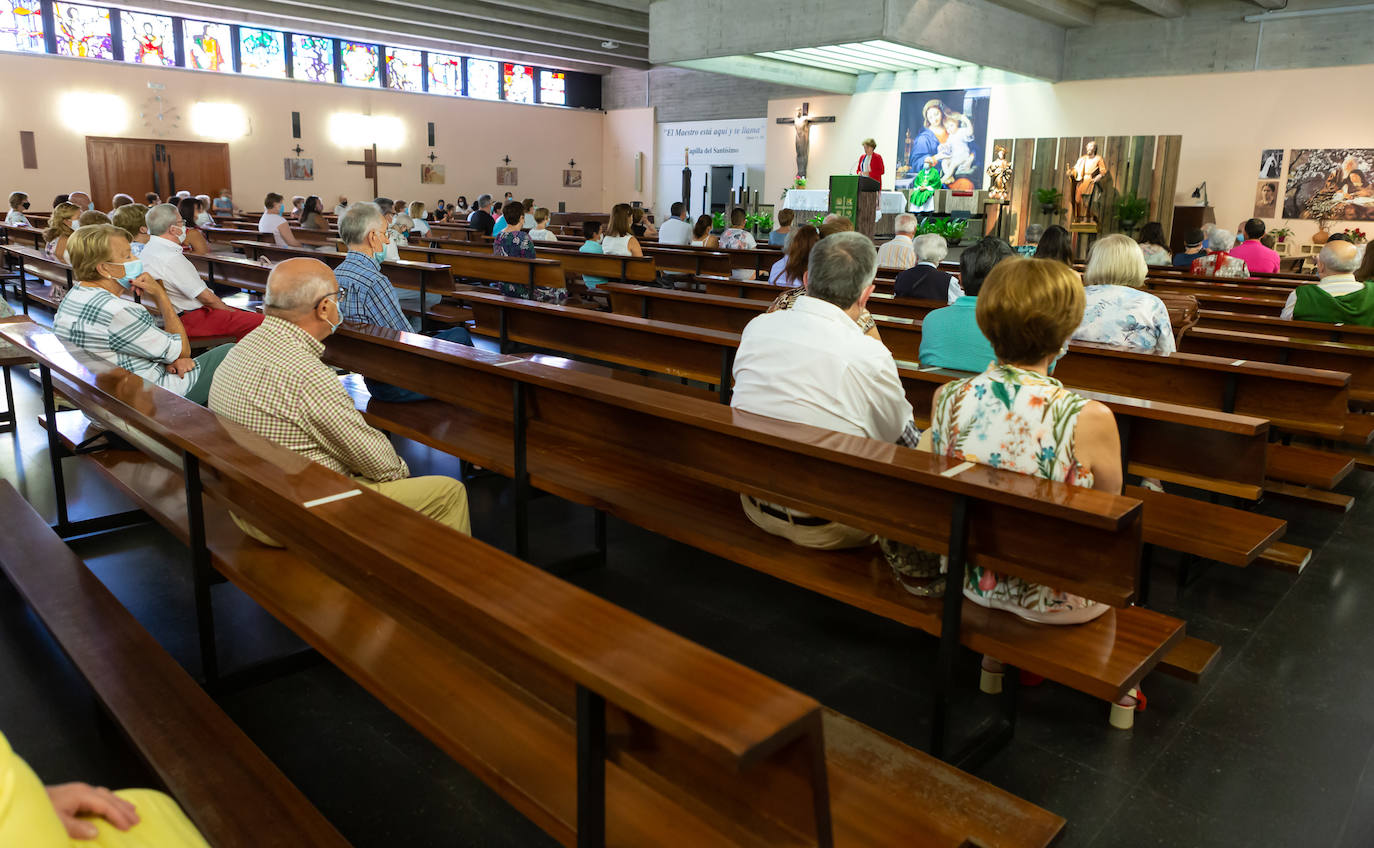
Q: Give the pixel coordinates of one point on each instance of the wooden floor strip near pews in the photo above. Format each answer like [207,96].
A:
[1317,497]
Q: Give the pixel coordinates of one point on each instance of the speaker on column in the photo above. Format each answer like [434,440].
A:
[431,133]
[295,124]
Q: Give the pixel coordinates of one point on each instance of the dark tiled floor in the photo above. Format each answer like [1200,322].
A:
[1275,748]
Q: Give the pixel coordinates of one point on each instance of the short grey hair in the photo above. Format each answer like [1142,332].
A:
[360,219]
[1034,232]
[402,223]
[905,223]
[1221,239]
[121,199]
[297,298]
[1340,259]
[483,201]
[162,218]
[841,266]
[930,247]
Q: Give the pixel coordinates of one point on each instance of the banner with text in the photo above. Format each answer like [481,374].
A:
[707,147]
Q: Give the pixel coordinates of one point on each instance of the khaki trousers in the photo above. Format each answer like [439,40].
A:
[442,498]
[829,536]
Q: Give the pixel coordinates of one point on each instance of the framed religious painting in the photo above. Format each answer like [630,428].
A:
[507,176]
[299,169]
[431,174]
[572,178]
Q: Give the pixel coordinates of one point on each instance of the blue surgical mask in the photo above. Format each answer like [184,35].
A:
[132,269]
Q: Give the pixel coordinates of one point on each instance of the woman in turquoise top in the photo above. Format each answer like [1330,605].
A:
[1016,417]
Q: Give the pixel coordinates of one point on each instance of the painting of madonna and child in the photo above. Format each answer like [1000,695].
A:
[1333,185]
[941,138]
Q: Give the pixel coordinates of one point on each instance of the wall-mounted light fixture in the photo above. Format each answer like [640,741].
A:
[94,114]
[219,120]
[347,129]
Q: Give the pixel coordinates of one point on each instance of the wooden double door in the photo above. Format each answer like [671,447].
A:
[137,166]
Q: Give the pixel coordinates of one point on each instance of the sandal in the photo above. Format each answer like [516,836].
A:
[1122,716]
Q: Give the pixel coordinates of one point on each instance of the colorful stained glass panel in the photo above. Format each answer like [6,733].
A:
[262,52]
[21,25]
[552,88]
[208,46]
[404,69]
[445,74]
[312,58]
[484,79]
[359,64]
[148,39]
[519,83]
[82,31]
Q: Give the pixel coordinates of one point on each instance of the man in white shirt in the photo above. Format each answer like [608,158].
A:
[676,230]
[341,207]
[899,253]
[813,364]
[1336,266]
[202,313]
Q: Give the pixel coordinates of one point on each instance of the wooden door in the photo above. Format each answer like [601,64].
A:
[136,166]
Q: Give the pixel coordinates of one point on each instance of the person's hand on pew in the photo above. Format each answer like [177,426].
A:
[181,366]
[74,802]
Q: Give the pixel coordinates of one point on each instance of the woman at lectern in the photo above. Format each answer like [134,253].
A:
[870,164]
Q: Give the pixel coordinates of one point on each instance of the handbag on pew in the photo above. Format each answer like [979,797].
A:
[1183,312]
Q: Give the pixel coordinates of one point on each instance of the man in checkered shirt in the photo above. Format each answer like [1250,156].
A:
[96,317]
[274,383]
[371,297]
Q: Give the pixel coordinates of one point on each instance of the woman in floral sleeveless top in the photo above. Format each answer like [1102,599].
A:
[1016,417]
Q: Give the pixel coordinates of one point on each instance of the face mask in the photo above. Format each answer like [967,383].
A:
[380,256]
[26,204]
[1063,351]
[181,236]
[132,269]
[76,225]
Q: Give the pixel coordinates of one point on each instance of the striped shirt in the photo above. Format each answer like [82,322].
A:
[122,333]
[900,252]
[371,297]
[274,383]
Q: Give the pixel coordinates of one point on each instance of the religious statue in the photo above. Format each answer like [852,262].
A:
[1085,174]
[803,129]
[999,176]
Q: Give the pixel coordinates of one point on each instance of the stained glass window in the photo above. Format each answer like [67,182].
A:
[312,58]
[262,52]
[207,46]
[403,69]
[519,83]
[484,79]
[21,25]
[82,31]
[551,88]
[445,74]
[359,63]
[148,39]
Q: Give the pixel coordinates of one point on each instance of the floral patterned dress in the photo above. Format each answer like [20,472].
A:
[1127,318]
[1020,421]
[518,243]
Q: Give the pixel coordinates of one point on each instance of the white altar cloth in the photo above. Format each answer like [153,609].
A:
[818,200]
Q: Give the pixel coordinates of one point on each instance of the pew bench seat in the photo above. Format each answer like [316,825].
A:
[226,785]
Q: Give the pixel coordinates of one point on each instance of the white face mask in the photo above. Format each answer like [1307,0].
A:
[76,225]
[181,236]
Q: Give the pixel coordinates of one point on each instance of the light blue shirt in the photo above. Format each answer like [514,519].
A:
[950,338]
[499,226]
[590,246]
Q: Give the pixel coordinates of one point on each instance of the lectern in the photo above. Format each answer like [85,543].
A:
[856,198]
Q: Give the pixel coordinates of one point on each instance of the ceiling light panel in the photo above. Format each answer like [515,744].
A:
[864,57]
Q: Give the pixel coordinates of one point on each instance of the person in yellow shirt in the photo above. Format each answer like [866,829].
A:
[76,814]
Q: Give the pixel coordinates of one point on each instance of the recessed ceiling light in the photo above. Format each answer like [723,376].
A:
[610,45]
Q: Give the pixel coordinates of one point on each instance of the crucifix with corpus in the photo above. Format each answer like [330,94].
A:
[802,122]
[370,166]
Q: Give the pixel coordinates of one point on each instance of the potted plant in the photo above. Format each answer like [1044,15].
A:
[1049,199]
[1130,209]
[1357,235]
[1281,233]
[799,181]
[760,222]
[953,230]
[719,222]
[815,220]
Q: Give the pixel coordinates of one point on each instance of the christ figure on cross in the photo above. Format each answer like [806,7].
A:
[802,124]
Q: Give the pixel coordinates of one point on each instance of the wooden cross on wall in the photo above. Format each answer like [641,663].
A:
[370,166]
[802,122]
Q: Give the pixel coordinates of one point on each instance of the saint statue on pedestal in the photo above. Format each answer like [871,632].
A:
[1085,174]
[999,176]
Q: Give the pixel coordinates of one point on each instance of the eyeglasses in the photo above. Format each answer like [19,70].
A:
[338,295]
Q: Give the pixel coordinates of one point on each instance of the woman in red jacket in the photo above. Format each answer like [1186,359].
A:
[870,164]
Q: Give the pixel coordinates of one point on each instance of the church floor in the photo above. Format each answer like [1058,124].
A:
[1276,748]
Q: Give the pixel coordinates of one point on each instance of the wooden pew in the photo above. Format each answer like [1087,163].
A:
[1266,324]
[226,785]
[230,235]
[627,269]
[879,304]
[30,236]
[683,485]
[1356,359]
[523,678]
[694,352]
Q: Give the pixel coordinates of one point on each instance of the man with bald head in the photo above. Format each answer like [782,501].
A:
[274,383]
[80,199]
[1338,298]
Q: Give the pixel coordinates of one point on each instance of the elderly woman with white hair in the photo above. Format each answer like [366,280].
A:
[925,280]
[1219,262]
[1119,312]
[899,253]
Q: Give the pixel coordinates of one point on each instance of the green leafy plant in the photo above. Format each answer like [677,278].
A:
[760,221]
[1130,209]
[1281,233]
[815,220]
[718,221]
[799,181]
[1357,235]
[950,229]
[1049,199]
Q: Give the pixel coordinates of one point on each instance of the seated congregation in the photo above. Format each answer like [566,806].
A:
[822,316]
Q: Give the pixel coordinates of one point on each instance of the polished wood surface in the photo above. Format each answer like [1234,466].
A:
[139,165]
[229,789]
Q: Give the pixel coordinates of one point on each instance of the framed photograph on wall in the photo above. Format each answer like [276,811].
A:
[431,174]
[572,179]
[299,169]
[1266,198]
[1271,164]
[507,176]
